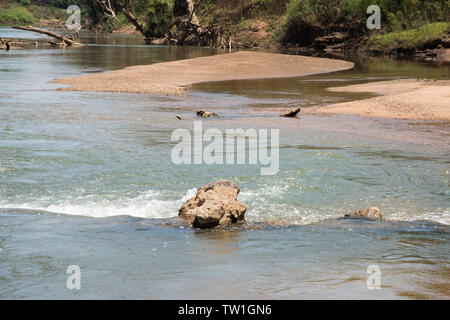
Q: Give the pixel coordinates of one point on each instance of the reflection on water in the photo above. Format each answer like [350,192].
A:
[83,155]
[311,91]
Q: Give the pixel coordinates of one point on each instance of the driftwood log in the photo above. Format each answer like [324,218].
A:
[4,44]
[291,114]
[65,40]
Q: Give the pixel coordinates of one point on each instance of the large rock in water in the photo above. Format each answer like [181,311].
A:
[372,213]
[214,204]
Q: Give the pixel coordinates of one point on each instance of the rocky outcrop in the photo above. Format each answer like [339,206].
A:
[372,213]
[214,204]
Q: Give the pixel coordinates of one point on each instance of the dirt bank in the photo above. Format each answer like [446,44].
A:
[400,99]
[172,78]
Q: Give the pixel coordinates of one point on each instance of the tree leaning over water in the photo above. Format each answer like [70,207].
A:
[177,23]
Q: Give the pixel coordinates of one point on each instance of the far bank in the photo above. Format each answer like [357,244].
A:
[337,26]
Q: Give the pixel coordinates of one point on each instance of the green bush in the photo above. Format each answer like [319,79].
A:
[155,13]
[63,4]
[158,14]
[262,8]
[397,15]
[412,38]
[11,14]
[24,2]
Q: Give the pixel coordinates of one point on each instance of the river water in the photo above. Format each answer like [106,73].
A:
[87,179]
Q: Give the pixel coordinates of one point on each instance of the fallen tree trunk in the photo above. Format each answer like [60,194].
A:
[291,114]
[66,41]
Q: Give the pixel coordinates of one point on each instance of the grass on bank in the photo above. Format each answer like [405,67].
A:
[413,38]
[14,14]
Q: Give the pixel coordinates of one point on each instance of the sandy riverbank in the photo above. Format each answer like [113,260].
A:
[172,78]
[399,99]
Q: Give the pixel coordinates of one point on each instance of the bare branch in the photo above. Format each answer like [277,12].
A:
[106,5]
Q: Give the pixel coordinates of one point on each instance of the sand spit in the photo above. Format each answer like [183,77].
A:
[173,78]
[399,99]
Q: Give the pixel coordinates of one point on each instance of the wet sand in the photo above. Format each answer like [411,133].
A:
[399,99]
[173,78]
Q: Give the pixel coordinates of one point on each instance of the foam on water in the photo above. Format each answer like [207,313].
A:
[157,204]
[440,217]
[149,204]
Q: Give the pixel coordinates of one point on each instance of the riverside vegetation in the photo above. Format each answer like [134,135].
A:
[407,26]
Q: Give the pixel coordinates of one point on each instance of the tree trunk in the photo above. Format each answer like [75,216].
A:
[67,41]
[139,26]
[96,15]
[4,44]
[185,9]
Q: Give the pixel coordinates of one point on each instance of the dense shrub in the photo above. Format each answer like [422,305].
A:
[158,13]
[24,2]
[11,14]
[397,15]
[412,38]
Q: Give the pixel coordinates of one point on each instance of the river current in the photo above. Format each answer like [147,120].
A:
[87,179]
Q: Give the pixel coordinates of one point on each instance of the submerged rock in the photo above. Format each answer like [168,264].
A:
[206,114]
[214,204]
[372,213]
